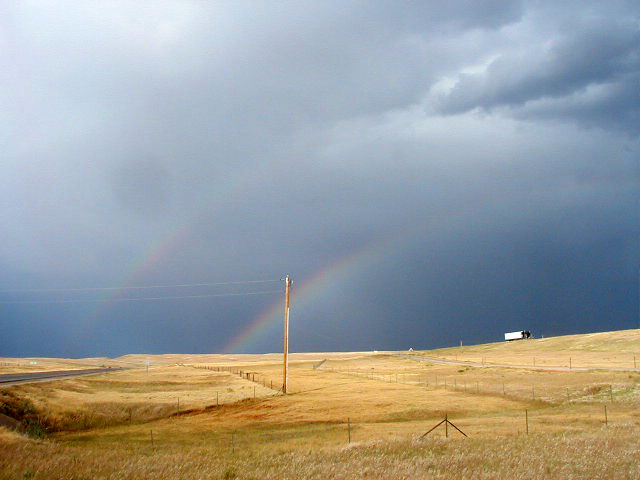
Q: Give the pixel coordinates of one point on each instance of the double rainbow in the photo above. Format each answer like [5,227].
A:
[306,293]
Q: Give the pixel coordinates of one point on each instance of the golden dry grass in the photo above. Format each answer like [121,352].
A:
[594,350]
[42,364]
[389,402]
[136,395]
[602,454]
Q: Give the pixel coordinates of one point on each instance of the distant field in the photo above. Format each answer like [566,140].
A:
[348,415]
[20,365]
[593,350]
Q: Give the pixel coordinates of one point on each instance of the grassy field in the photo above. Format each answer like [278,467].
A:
[348,415]
[20,365]
[593,350]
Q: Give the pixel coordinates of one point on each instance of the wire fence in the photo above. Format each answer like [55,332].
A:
[343,432]
[540,392]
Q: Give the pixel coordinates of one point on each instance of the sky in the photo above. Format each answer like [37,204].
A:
[426,172]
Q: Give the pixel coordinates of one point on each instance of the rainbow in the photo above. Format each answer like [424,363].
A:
[340,271]
[143,265]
[305,292]
[177,235]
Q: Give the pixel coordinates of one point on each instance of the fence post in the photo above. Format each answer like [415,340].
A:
[349,425]
[605,416]
[217,400]
[526,417]
[446,425]
[611,392]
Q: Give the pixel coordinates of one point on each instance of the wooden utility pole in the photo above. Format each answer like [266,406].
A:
[287,291]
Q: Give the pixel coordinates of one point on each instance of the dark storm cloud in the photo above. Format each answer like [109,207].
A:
[615,104]
[183,142]
[587,67]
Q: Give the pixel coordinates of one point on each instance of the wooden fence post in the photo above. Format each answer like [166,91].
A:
[611,393]
[446,425]
[526,417]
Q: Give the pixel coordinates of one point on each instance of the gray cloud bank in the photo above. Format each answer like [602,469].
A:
[163,143]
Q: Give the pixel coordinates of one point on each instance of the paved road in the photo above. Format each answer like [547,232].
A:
[420,358]
[17,378]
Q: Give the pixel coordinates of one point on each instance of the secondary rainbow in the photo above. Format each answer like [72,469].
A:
[177,235]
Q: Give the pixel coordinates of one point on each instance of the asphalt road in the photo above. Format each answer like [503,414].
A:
[420,358]
[32,377]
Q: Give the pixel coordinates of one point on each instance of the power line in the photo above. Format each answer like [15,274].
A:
[138,299]
[139,287]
